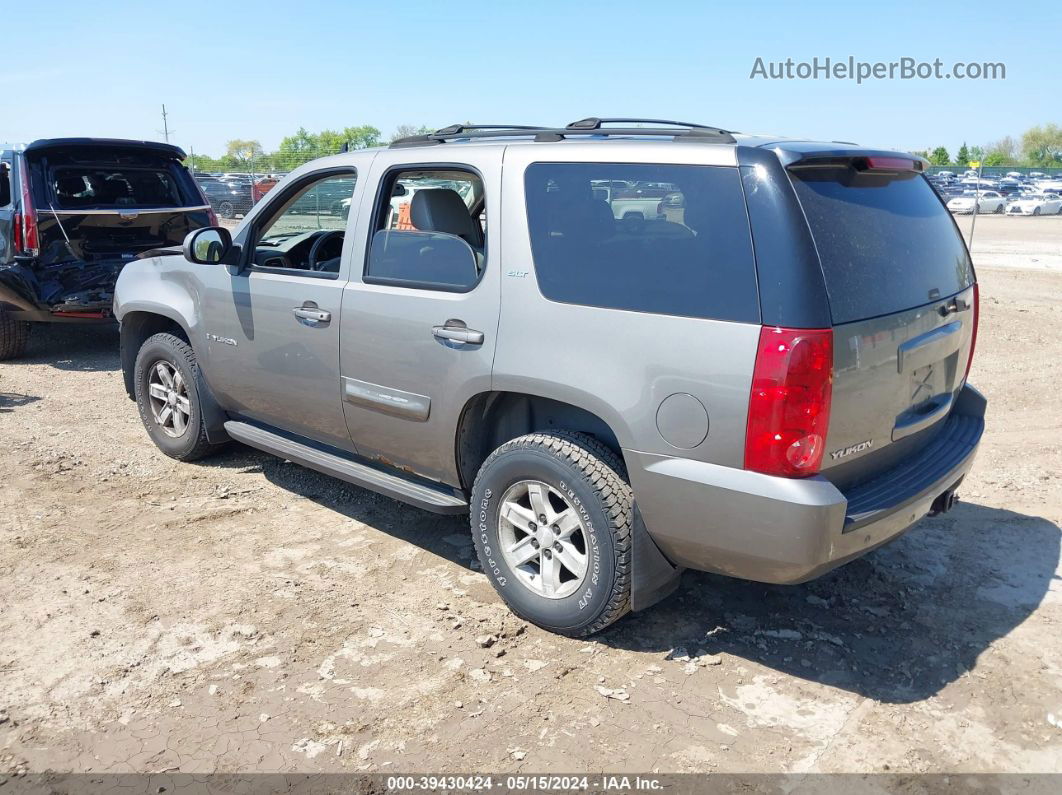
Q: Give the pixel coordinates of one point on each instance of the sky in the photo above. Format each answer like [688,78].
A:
[260,70]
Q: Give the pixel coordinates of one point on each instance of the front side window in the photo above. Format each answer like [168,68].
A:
[306,234]
[666,239]
[430,231]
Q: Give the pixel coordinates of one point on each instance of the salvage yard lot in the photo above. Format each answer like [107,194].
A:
[245,614]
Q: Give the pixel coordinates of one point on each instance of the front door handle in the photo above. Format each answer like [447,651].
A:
[457,331]
[309,315]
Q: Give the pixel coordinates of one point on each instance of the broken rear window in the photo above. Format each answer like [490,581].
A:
[75,187]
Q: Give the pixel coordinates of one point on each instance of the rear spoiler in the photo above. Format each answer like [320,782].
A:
[106,143]
[796,154]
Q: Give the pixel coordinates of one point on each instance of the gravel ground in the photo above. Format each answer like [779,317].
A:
[243,613]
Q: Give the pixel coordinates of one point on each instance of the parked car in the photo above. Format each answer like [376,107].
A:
[228,199]
[1035,204]
[987,202]
[73,213]
[262,186]
[608,402]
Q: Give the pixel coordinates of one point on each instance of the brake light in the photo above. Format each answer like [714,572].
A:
[973,334]
[26,237]
[789,406]
[891,164]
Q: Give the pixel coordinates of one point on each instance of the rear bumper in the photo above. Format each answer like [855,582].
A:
[781,530]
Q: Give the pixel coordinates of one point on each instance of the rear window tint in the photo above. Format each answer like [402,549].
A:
[89,186]
[665,239]
[885,243]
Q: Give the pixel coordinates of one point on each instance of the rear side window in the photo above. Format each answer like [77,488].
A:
[666,239]
[886,243]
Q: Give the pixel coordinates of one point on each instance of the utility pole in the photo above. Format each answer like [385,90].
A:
[165,125]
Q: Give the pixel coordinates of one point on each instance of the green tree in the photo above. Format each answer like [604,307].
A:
[241,153]
[962,158]
[940,157]
[1042,146]
[977,153]
[1003,152]
[406,130]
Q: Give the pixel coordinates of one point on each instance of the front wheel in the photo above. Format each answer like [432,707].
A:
[167,396]
[999,209]
[226,209]
[551,521]
[1036,211]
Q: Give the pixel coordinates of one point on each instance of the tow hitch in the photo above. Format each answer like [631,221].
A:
[944,503]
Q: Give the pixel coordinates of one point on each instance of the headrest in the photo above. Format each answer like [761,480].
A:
[443,210]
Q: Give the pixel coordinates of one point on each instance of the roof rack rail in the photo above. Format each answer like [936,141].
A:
[584,127]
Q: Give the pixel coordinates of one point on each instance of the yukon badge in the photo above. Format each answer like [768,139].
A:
[837,455]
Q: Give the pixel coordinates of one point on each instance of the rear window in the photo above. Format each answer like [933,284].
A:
[886,243]
[667,239]
[90,186]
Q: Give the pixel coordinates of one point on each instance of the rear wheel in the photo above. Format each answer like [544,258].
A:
[14,334]
[999,209]
[551,521]
[1036,211]
[167,395]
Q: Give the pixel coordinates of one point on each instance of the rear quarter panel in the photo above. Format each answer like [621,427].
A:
[620,365]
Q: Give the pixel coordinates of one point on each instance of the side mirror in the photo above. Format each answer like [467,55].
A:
[208,245]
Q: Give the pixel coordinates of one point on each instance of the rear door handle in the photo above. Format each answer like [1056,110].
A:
[309,315]
[457,331]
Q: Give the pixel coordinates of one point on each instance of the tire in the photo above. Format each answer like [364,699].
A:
[183,439]
[584,481]
[226,209]
[14,334]
[1036,211]
[999,209]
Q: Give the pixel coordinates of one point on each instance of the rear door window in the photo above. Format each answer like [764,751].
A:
[666,239]
[886,243]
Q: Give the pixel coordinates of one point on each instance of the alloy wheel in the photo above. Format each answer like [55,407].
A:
[543,539]
[168,396]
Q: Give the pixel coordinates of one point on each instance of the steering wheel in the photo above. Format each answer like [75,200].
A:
[315,249]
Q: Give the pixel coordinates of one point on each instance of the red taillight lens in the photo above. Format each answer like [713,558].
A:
[789,408]
[28,241]
[891,164]
[973,334]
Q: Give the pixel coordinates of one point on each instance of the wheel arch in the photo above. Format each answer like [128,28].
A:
[141,323]
[490,419]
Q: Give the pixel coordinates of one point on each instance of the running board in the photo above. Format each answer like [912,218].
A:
[436,499]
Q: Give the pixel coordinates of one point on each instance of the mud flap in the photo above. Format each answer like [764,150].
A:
[653,577]
[214,416]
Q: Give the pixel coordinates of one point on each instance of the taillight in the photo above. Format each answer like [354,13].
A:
[789,407]
[973,333]
[877,163]
[27,240]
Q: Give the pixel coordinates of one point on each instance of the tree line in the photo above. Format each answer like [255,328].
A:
[244,154]
[1039,147]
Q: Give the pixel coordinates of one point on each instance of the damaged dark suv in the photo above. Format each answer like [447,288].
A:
[73,212]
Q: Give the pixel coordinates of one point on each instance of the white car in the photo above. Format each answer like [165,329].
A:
[1035,204]
[989,202]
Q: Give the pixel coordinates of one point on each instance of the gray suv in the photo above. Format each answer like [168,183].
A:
[623,349]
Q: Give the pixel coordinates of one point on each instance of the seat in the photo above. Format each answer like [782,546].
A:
[443,210]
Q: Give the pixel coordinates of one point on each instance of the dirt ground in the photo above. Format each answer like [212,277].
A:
[245,614]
